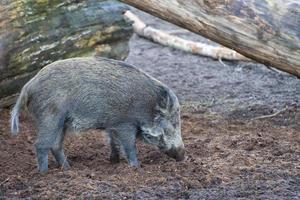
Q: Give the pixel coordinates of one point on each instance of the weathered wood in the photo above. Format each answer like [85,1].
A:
[267,31]
[163,38]
[36,33]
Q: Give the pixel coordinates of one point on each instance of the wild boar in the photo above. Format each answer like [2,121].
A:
[77,94]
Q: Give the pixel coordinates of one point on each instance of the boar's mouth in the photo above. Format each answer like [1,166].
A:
[176,153]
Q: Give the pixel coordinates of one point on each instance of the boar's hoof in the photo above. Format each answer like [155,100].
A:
[114,159]
[134,164]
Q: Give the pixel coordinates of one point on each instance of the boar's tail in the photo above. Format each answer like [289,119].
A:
[21,101]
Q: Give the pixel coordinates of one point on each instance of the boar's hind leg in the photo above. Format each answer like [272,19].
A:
[125,134]
[58,151]
[48,132]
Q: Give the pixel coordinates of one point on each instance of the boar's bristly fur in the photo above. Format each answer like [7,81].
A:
[77,94]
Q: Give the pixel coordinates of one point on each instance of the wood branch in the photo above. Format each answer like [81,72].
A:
[166,39]
[271,115]
[36,33]
[266,31]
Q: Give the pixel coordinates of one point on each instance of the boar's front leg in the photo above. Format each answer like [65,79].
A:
[125,134]
[114,146]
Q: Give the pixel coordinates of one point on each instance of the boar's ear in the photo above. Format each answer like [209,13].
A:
[165,102]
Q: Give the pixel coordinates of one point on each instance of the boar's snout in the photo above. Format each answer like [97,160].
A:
[176,153]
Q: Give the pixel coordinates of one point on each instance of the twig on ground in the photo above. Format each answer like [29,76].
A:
[271,115]
[4,181]
[63,164]
[28,163]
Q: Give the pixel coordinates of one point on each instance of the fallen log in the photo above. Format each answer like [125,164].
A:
[163,38]
[266,31]
[36,33]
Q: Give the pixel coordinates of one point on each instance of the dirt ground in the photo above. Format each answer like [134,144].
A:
[233,152]
[226,159]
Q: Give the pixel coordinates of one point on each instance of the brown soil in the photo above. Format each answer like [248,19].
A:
[230,153]
[226,159]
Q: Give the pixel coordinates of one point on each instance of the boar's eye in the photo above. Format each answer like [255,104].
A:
[154,140]
[148,136]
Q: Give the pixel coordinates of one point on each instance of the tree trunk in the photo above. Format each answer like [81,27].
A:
[36,33]
[267,31]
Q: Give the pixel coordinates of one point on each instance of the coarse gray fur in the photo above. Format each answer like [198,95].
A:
[77,94]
